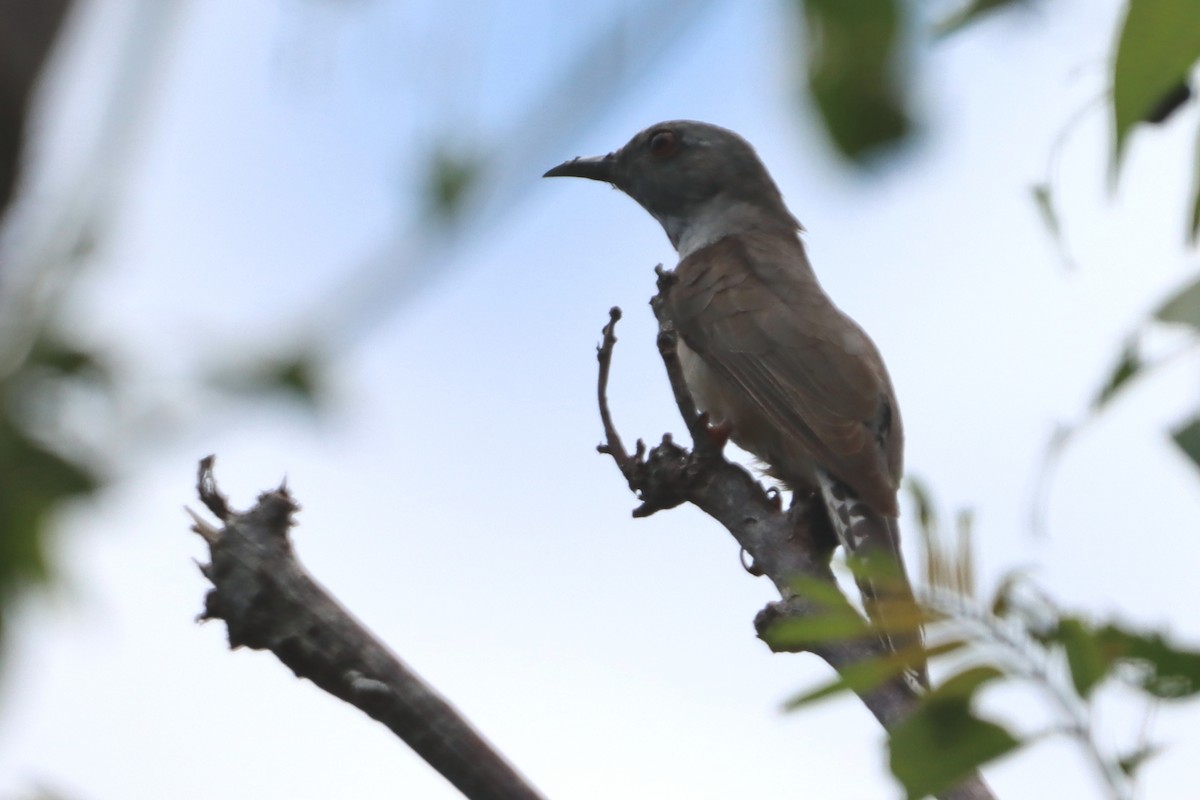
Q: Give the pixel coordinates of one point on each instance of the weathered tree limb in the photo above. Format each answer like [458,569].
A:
[791,547]
[269,602]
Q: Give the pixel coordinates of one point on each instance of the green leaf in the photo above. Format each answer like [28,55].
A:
[969,14]
[923,500]
[300,376]
[1086,657]
[800,633]
[1163,670]
[34,482]
[1174,100]
[1018,599]
[1188,439]
[1130,764]
[824,592]
[965,566]
[878,567]
[964,685]
[943,741]
[1044,200]
[1128,366]
[1183,307]
[1194,222]
[1159,42]
[451,177]
[1002,601]
[861,677]
[834,687]
[828,618]
[66,360]
[854,57]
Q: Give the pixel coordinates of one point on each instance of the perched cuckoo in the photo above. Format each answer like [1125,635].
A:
[767,354]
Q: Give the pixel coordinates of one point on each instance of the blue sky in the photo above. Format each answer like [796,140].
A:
[451,493]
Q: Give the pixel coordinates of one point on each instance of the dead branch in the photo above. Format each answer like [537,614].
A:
[269,602]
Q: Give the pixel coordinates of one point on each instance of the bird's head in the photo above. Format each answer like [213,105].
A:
[686,172]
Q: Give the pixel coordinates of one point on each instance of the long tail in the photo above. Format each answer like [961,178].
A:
[874,540]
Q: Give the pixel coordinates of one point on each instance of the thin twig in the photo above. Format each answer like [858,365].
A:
[613,445]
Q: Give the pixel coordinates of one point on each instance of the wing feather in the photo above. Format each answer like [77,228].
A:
[753,312]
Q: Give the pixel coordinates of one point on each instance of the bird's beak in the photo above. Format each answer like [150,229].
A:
[597,168]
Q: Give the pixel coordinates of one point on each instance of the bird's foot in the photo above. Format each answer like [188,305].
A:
[775,496]
[749,564]
[718,432]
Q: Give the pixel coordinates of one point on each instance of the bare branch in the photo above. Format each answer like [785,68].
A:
[210,495]
[613,446]
[269,602]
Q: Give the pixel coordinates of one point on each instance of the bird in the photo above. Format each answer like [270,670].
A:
[768,356]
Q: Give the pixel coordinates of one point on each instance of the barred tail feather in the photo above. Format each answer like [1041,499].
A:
[874,540]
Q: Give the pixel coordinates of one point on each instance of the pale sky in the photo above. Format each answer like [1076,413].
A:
[452,496]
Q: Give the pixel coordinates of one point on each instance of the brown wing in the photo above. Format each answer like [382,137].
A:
[751,308]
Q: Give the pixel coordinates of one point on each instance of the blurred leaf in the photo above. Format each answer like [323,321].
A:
[946,566]
[1182,307]
[33,482]
[969,14]
[867,675]
[1188,439]
[1044,201]
[964,685]
[933,752]
[299,376]
[933,567]
[1163,670]
[799,633]
[899,614]
[877,566]
[1085,655]
[1169,104]
[943,741]
[861,677]
[824,592]
[452,175]
[894,608]
[853,48]
[1194,222]
[1159,42]
[1131,763]
[66,360]
[1011,599]
[834,687]
[950,645]
[965,571]
[926,512]
[1002,600]
[1128,366]
[833,619]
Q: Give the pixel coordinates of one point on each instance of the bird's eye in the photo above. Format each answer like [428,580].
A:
[663,143]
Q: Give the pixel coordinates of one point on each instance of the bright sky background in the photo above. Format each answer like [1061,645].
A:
[452,496]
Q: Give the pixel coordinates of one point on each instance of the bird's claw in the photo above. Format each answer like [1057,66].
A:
[718,432]
[749,564]
[775,497]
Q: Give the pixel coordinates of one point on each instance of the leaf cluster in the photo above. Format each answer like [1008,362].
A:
[1015,635]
